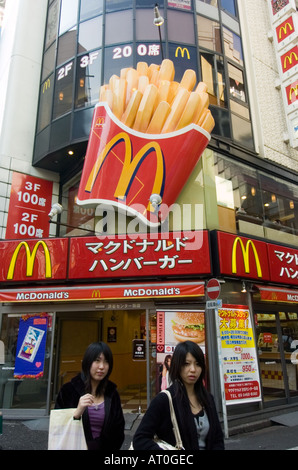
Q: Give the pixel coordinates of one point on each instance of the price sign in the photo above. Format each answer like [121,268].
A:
[29,206]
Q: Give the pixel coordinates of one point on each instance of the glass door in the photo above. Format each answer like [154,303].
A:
[277,341]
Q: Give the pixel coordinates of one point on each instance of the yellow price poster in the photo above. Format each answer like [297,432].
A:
[239,361]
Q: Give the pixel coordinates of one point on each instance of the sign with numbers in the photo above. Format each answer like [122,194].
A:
[29,206]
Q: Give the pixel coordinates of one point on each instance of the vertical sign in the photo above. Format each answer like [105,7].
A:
[238,351]
[29,206]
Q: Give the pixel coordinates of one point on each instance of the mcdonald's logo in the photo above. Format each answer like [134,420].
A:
[182,52]
[46,85]
[245,254]
[290,59]
[292,89]
[131,166]
[95,294]
[30,259]
[285,29]
[100,121]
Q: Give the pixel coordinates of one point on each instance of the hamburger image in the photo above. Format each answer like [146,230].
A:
[189,326]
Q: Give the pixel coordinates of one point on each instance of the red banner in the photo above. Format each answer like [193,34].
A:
[30,203]
[178,253]
[143,290]
[276,294]
[283,263]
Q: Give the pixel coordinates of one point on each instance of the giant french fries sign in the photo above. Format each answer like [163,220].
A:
[147,134]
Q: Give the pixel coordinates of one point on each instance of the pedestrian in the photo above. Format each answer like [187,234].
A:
[194,407]
[96,400]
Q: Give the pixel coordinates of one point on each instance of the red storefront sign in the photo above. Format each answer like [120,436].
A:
[177,253]
[242,257]
[278,294]
[95,292]
[285,29]
[137,165]
[289,59]
[33,260]
[30,203]
[283,263]
[292,92]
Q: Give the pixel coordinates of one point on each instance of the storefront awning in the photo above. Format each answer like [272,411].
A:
[97,292]
[277,294]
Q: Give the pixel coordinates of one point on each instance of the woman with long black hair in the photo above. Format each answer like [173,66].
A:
[96,400]
[194,407]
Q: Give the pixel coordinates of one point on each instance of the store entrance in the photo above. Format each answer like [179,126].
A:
[277,341]
[119,328]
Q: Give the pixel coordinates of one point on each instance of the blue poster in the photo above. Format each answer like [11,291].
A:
[31,346]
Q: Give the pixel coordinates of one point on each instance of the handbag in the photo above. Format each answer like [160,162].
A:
[163,444]
[66,433]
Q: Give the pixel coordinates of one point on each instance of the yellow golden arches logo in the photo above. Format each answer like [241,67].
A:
[95,293]
[284,29]
[131,166]
[46,85]
[293,90]
[30,258]
[245,254]
[289,58]
[182,52]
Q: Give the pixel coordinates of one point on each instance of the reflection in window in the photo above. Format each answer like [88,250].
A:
[184,58]
[88,79]
[237,89]
[52,23]
[90,35]
[119,27]
[145,28]
[213,75]
[112,5]
[181,27]
[90,8]
[232,45]
[242,131]
[67,46]
[149,3]
[63,90]
[209,34]
[210,2]
[82,218]
[45,103]
[229,5]
[48,62]
[68,16]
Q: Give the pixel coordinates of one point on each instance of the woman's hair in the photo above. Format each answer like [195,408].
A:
[166,361]
[93,351]
[178,361]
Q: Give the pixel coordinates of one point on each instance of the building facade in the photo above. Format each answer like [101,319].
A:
[225,255]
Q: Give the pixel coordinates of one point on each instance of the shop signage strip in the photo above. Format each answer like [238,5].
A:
[275,294]
[104,292]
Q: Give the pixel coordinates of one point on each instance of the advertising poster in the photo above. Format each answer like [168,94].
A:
[174,326]
[31,344]
[239,361]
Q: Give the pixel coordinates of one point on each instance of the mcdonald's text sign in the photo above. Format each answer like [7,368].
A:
[33,260]
[123,168]
[242,257]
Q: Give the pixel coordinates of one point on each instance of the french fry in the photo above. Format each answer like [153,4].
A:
[167,70]
[119,94]
[142,68]
[159,117]
[204,103]
[130,112]
[145,110]
[163,92]
[176,110]
[172,91]
[151,69]
[112,81]
[189,79]
[143,83]
[201,87]
[154,77]
[208,121]
[132,78]
[123,72]
[189,111]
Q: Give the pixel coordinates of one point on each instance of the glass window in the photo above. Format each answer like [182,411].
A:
[236,79]
[48,62]
[210,2]
[213,75]
[117,58]
[149,52]
[90,8]
[183,58]
[119,27]
[242,131]
[181,27]
[229,5]
[69,14]
[145,28]
[232,45]
[90,35]
[209,34]
[63,90]
[66,46]
[112,5]
[149,3]
[182,4]
[45,103]
[88,79]
[82,218]
[52,23]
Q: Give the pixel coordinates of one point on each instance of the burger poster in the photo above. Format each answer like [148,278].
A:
[238,353]
[174,327]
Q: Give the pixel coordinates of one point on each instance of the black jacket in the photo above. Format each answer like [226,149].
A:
[112,434]
[157,421]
